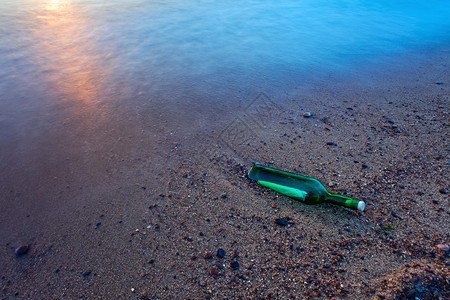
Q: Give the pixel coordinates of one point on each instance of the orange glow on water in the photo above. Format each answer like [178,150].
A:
[66,54]
[56,5]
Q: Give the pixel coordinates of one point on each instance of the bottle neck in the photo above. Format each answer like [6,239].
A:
[344,201]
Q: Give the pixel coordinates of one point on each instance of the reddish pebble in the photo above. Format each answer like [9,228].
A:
[443,247]
[214,272]
[207,255]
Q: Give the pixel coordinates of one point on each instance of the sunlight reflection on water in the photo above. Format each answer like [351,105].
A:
[171,52]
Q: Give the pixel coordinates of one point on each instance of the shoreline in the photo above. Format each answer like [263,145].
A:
[139,223]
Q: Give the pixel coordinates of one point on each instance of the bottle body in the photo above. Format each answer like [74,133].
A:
[302,188]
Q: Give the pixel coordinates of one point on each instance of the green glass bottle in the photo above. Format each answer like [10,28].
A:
[304,189]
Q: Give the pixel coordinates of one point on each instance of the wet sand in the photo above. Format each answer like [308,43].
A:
[121,207]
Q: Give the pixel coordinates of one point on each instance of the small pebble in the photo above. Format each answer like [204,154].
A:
[221,253]
[86,274]
[220,266]
[207,255]
[396,216]
[283,221]
[214,272]
[234,265]
[443,247]
[223,196]
[439,82]
[443,191]
[22,249]
[307,115]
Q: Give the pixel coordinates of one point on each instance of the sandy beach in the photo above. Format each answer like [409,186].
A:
[125,208]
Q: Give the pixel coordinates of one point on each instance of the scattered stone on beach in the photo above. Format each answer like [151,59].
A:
[234,265]
[22,249]
[221,253]
[443,191]
[207,255]
[439,82]
[214,272]
[307,114]
[86,274]
[331,144]
[220,266]
[223,196]
[145,295]
[443,247]
[283,221]
[396,216]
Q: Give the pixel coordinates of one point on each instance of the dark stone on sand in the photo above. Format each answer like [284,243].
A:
[443,191]
[331,144]
[22,249]
[396,216]
[364,166]
[220,266]
[439,82]
[327,265]
[234,265]
[283,221]
[411,294]
[207,255]
[221,253]
[86,274]
[223,196]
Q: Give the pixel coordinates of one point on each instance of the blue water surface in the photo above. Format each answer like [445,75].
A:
[53,51]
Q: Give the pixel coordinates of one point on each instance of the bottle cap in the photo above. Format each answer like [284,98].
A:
[361,205]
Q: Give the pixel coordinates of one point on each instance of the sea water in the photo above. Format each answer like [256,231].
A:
[179,57]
